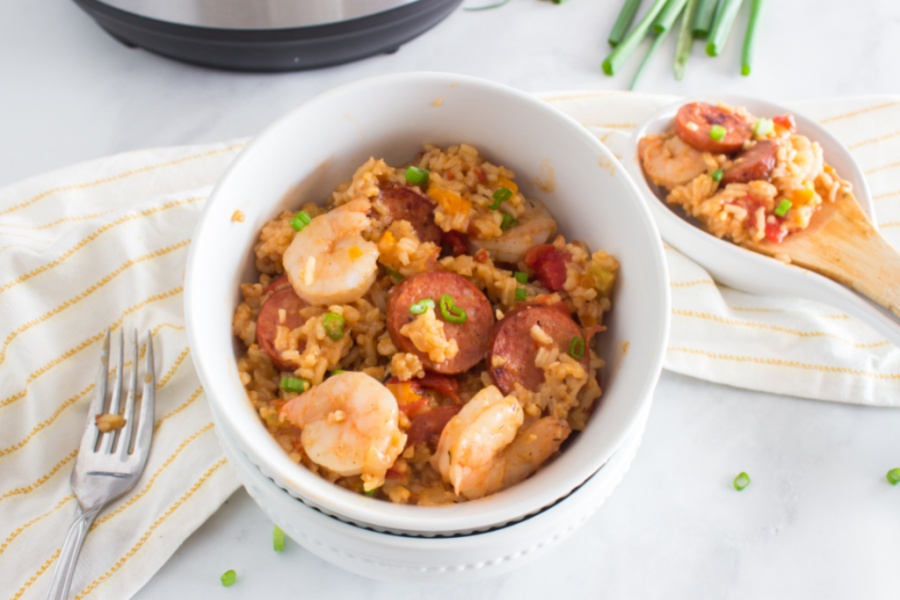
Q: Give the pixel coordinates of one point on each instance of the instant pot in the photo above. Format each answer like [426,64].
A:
[267,35]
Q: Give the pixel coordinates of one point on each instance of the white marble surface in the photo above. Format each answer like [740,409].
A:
[818,520]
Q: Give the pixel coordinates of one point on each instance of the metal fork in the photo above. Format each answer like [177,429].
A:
[108,464]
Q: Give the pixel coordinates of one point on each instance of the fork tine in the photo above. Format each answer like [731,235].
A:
[89,442]
[128,431]
[148,403]
[106,442]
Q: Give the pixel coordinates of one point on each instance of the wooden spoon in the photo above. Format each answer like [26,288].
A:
[842,244]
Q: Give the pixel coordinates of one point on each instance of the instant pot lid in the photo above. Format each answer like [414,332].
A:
[267,35]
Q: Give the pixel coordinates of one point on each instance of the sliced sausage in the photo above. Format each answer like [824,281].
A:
[428,426]
[406,204]
[269,319]
[512,343]
[754,164]
[694,121]
[471,336]
[442,384]
[277,284]
[549,265]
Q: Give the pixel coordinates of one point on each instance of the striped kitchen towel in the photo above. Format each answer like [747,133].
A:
[100,245]
[103,244]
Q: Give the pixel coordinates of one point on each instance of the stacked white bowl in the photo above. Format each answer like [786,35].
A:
[303,156]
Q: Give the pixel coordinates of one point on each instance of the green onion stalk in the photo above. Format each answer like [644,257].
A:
[750,37]
[703,18]
[620,54]
[718,35]
[685,38]
[665,25]
[623,22]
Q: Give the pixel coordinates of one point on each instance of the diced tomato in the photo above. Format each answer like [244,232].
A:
[442,384]
[549,265]
[481,256]
[454,243]
[479,174]
[427,427]
[393,473]
[448,175]
[785,121]
[775,232]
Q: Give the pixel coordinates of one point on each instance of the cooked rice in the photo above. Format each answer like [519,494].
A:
[740,211]
[461,184]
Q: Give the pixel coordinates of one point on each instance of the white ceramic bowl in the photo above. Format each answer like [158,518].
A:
[460,559]
[308,152]
[744,269]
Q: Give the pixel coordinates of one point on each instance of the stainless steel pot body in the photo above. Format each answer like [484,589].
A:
[255,14]
[267,35]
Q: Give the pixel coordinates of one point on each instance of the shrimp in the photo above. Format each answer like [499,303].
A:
[668,161]
[485,449]
[534,228]
[350,425]
[328,261]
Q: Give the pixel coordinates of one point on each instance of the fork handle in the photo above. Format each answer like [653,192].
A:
[65,568]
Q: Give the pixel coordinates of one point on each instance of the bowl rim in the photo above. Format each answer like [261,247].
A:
[417,518]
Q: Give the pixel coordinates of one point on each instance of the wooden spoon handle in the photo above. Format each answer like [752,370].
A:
[843,245]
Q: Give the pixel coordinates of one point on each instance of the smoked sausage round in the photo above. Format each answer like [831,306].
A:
[753,164]
[286,299]
[694,121]
[511,341]
[406,204]
[471,336]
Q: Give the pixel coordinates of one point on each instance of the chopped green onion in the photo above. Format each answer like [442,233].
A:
[685,39]
[783,206]
[371,492]
[717,132]
[416,175]
[508,222]
[893,476]
[703,18]
[338,371]
[485,7]
[750,37]
[725,14]
[521,294]
[576,347]
[229,577]
[278,539]
[451,312]
[667,16]
[521,276]
[501,195]
[657,42]
[763,127]
[421,307]
[623,21]
[717,175]
[617,57]
[294,384]
[334,325]
[741,481]
[300,220]
[395,274]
